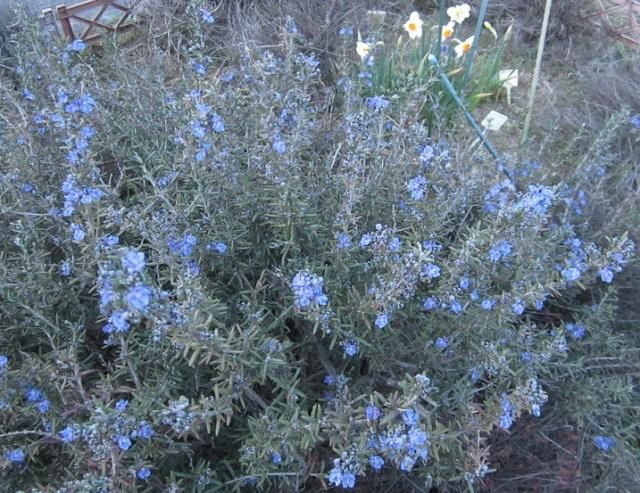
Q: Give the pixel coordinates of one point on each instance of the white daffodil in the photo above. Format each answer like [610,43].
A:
[459,13]
[363,50]
[447,30]
[414,26]
[464,47]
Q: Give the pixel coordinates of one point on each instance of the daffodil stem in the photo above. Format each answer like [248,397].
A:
[536,72]
[476,39]
[443,17]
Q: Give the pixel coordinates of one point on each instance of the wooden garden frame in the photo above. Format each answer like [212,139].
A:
[629,34]
[66,14]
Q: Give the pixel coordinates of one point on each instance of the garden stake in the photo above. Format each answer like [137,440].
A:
[476,40]
[483,138]
[443,13]
[536,73]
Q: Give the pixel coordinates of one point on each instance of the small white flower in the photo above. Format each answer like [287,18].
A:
[414,26]
[459,13]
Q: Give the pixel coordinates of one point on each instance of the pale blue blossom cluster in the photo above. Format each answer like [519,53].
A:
[308,291]
[124,296]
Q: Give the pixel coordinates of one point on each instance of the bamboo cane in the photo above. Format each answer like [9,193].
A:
[536,72]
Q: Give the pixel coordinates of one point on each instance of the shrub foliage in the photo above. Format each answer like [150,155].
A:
[225,273]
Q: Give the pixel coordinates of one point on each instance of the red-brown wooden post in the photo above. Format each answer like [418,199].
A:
[63,17]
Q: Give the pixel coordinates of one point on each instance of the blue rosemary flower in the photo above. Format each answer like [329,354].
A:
[417,187]
[217,123]
[410,417]
[442,343]
[376,462]
[183,246]
[69,434]
[207,16]
[577,331]
[143,431]
[119,322]
[34,395]
[430,303]
[122,405]
[366,240]
[488,304]
[377,103]
[85,104]
[500,250]
[571,274]
[351,348]
[132,261]
[508,414]
[65,268]
[78,232]
[218,247]
[344,241]
[606,274]
[308,290]
[124,442]
[382,320]
[604,443]
[77,45]
[430,271]
[139,297]
[518,307]
[17,456]
[278,145]
[43,406]
[372,412]
[341,476]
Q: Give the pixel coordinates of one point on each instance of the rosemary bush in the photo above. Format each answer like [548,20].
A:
[227,275]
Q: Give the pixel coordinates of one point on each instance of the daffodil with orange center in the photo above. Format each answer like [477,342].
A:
[414,26]
[363,50]
[447,30]
[464,47]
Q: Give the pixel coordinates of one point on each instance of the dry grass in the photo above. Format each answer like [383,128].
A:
[526,18]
